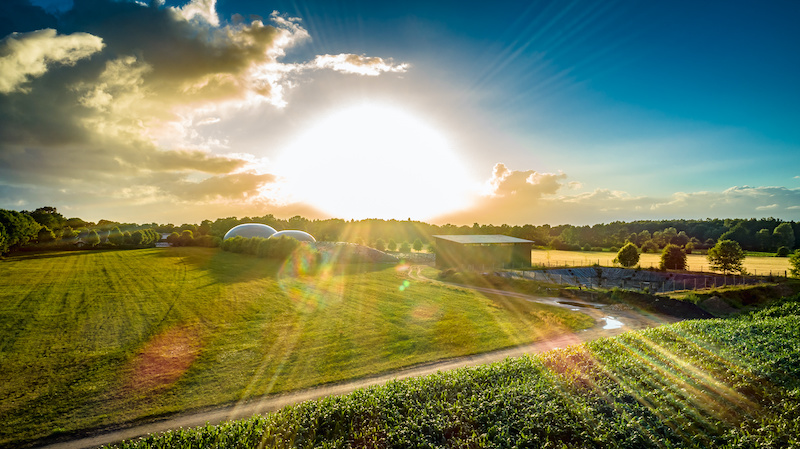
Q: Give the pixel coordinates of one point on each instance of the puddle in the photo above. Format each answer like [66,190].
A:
[611,323]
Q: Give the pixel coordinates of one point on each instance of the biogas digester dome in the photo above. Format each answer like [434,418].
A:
[300,236]
[249,230]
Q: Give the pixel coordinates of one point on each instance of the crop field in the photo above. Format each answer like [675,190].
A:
[696,262]
[696,384]
[95,338]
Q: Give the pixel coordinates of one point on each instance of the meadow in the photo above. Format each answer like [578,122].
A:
[96,338]
[731,383]
[695,262]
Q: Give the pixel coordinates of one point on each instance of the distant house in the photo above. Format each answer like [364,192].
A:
[482,251]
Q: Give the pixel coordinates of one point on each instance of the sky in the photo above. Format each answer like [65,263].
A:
[556,112]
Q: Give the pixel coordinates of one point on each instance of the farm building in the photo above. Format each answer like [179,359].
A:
[465,251]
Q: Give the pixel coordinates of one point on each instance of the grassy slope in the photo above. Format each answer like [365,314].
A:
[95,338]
[710,383]
[695,262]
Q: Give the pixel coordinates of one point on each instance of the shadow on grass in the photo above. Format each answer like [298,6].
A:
[230,268]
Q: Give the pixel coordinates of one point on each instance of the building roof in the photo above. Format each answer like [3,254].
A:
[481,239]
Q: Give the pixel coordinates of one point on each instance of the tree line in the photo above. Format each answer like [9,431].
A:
[45,225]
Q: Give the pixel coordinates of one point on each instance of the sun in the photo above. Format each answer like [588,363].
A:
[375,161]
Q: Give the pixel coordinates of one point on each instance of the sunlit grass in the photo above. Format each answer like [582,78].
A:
[696,384]
[101,337]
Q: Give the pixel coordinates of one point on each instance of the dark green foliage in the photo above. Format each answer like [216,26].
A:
[782,252]
[628,256]
[726,256]
[174,239]
[187,238]
[45,235]
[673,258]
[794,263]
[271,248]
[702,383]
[115,236]
[649,246]
[48,216]
[17,228]
[92,238]
[783,235]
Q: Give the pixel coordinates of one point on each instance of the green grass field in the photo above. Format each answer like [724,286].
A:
[95,338]
[696,262]
[697,384]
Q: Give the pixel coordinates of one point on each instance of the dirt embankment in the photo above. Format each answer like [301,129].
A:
[644,302]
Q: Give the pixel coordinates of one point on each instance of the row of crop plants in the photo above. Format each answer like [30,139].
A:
[702,383]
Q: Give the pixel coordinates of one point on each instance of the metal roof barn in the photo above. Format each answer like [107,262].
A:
[482,251]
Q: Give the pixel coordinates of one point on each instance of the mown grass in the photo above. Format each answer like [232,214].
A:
[713,383]
[96,338]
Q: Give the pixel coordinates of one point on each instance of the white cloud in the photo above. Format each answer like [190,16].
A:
[28,55]
[520,197]
[358,64]
[204,9]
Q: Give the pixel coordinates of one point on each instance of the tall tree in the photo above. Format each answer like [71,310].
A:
[794,263]
[726,256]
[783,235]
[673,258]
[628,256]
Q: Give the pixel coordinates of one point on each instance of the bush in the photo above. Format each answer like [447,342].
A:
[628,256]
[782,252]
[726,256]
[673,258]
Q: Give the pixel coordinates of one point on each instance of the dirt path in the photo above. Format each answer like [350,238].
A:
[610,321]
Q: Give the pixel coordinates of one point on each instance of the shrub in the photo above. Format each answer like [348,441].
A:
[628,256]
[726,256]
[782,252]
[673,258]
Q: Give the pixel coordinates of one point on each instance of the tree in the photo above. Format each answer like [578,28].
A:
[764,239]
[673,258]
[628,256]
[174,239]
[726,256]
[405,247]
[137,238]
[92,238]
[783,235]
[67,233]
[115,236]
[45,235]
[649,246]
[380,245]
[782,252]
[392,246]
[187,238]
[794,263]
[417,245]
[49,217]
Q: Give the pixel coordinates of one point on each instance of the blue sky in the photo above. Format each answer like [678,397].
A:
[552,112]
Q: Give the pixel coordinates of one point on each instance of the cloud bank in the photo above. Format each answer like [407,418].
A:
[100,103]
[530,197]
